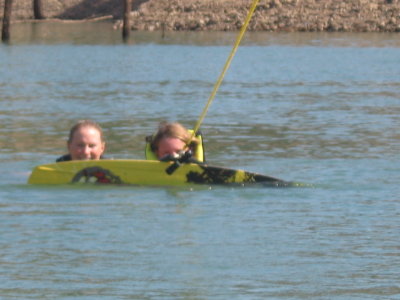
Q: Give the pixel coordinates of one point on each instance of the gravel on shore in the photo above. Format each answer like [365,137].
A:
[228,15]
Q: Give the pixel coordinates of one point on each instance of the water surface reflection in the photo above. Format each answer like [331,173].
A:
[103,32]
[314,107]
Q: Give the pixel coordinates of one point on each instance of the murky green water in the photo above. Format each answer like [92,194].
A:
[317,108]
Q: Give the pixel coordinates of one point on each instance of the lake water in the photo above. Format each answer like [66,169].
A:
[311,107]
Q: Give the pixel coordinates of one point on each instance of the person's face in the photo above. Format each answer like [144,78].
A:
[86,144]
[169,146]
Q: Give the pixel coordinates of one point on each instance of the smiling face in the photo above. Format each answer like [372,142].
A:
[169,146]
[86,144]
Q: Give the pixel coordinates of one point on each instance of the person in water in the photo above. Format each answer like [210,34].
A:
[85,142]
[171,140]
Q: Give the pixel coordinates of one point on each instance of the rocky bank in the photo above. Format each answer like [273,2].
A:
[271,15]
[228,15]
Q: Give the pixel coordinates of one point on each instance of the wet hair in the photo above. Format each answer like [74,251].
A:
[172,130]
[85,123]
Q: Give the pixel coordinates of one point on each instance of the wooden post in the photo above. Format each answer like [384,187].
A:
[5,32]
[37,9]
[126,27]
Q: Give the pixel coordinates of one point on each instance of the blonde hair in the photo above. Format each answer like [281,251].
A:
[173,130]
[85,123]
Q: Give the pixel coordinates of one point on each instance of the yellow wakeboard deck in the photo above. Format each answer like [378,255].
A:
[145,172]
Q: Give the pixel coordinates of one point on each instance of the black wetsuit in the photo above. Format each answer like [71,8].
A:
[67,157]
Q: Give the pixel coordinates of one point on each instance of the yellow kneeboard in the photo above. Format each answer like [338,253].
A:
[144,172]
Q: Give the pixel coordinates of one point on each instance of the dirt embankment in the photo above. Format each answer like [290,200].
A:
[271,15]
[198,15]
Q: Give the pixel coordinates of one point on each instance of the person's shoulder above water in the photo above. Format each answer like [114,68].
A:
[85,142]
[67,157]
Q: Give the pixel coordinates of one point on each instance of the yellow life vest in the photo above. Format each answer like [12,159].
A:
[198,151]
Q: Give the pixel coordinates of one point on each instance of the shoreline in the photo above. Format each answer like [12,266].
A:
[226,15]
[271,16]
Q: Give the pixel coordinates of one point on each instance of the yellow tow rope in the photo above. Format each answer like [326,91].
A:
[227,64]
